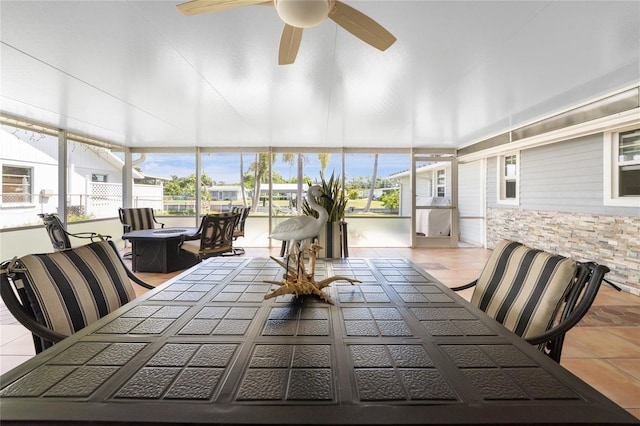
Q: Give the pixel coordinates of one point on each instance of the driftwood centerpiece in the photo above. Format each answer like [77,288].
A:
[298,281]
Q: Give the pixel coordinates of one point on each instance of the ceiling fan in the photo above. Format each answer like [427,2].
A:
[300,14]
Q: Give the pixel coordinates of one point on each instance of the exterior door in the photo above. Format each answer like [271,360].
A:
[434,190]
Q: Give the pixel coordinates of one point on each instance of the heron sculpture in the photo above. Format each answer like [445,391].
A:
[298,229]
[301,228]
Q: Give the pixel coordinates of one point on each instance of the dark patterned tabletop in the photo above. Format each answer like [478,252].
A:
[207,348]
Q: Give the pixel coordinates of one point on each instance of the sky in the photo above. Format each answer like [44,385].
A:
[224,167]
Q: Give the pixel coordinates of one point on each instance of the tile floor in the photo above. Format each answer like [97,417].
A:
[603,350]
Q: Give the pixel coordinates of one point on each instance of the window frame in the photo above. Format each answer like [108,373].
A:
[612,164]
[440,186]
[503,178]
[30,201]
[99,177]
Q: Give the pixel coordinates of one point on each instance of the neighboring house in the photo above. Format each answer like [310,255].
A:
[433,188]
[432,180]
[225,192]
[30,180]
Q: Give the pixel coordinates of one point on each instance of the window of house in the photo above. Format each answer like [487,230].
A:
[441,183]
[629,164]
[17,184]
[622,168]
[98,178]
[508,181]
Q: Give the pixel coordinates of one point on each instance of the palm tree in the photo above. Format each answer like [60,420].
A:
[288,158]
[374,177]
[260,169]
[244,195]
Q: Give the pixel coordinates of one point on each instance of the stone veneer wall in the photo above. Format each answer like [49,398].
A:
[613,241]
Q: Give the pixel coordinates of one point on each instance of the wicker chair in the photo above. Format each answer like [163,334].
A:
[216,236]
[60,237]
[537,295]
[57,294]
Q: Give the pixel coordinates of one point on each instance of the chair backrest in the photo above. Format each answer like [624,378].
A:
[136,219]
[243,213]
[523,288]
[57,233]
[217,234]
[67,290]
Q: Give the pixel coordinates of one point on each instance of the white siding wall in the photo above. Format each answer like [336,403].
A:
[567,176]
[491,182]
[471,202]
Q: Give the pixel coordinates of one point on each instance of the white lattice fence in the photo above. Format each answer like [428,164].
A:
[104,199]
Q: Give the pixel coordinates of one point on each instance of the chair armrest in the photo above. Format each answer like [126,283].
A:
[138,281]
[190,237]
[466,286]
[574,317]
[91,235]
[612,284]
[156,221]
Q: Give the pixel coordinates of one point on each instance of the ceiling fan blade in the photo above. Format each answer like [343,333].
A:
[361,26]
[289,44]
[197,7]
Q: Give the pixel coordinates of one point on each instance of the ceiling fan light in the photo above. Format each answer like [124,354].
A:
[303,13]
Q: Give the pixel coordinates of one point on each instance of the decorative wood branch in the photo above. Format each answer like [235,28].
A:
[297,281]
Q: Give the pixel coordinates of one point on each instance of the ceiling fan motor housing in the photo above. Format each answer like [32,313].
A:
[303,13]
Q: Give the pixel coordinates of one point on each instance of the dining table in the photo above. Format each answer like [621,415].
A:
[397,347]
[158,250]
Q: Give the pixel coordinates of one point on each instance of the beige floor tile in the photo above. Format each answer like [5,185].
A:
[570,350]
[607,296]
[632,334]
[602,343]
[11,332]
[10,362]
[20,346]
[611,381]
[630,366]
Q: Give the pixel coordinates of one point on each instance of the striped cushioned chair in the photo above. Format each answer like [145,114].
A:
[524,288]
[138,219]
[60,293]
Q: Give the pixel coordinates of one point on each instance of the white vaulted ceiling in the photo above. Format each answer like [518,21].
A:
[141,74]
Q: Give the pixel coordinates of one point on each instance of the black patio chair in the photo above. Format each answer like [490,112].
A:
[137,219]
[216,236]
[57,294]
[537,295]
[243,213]
[59,236]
